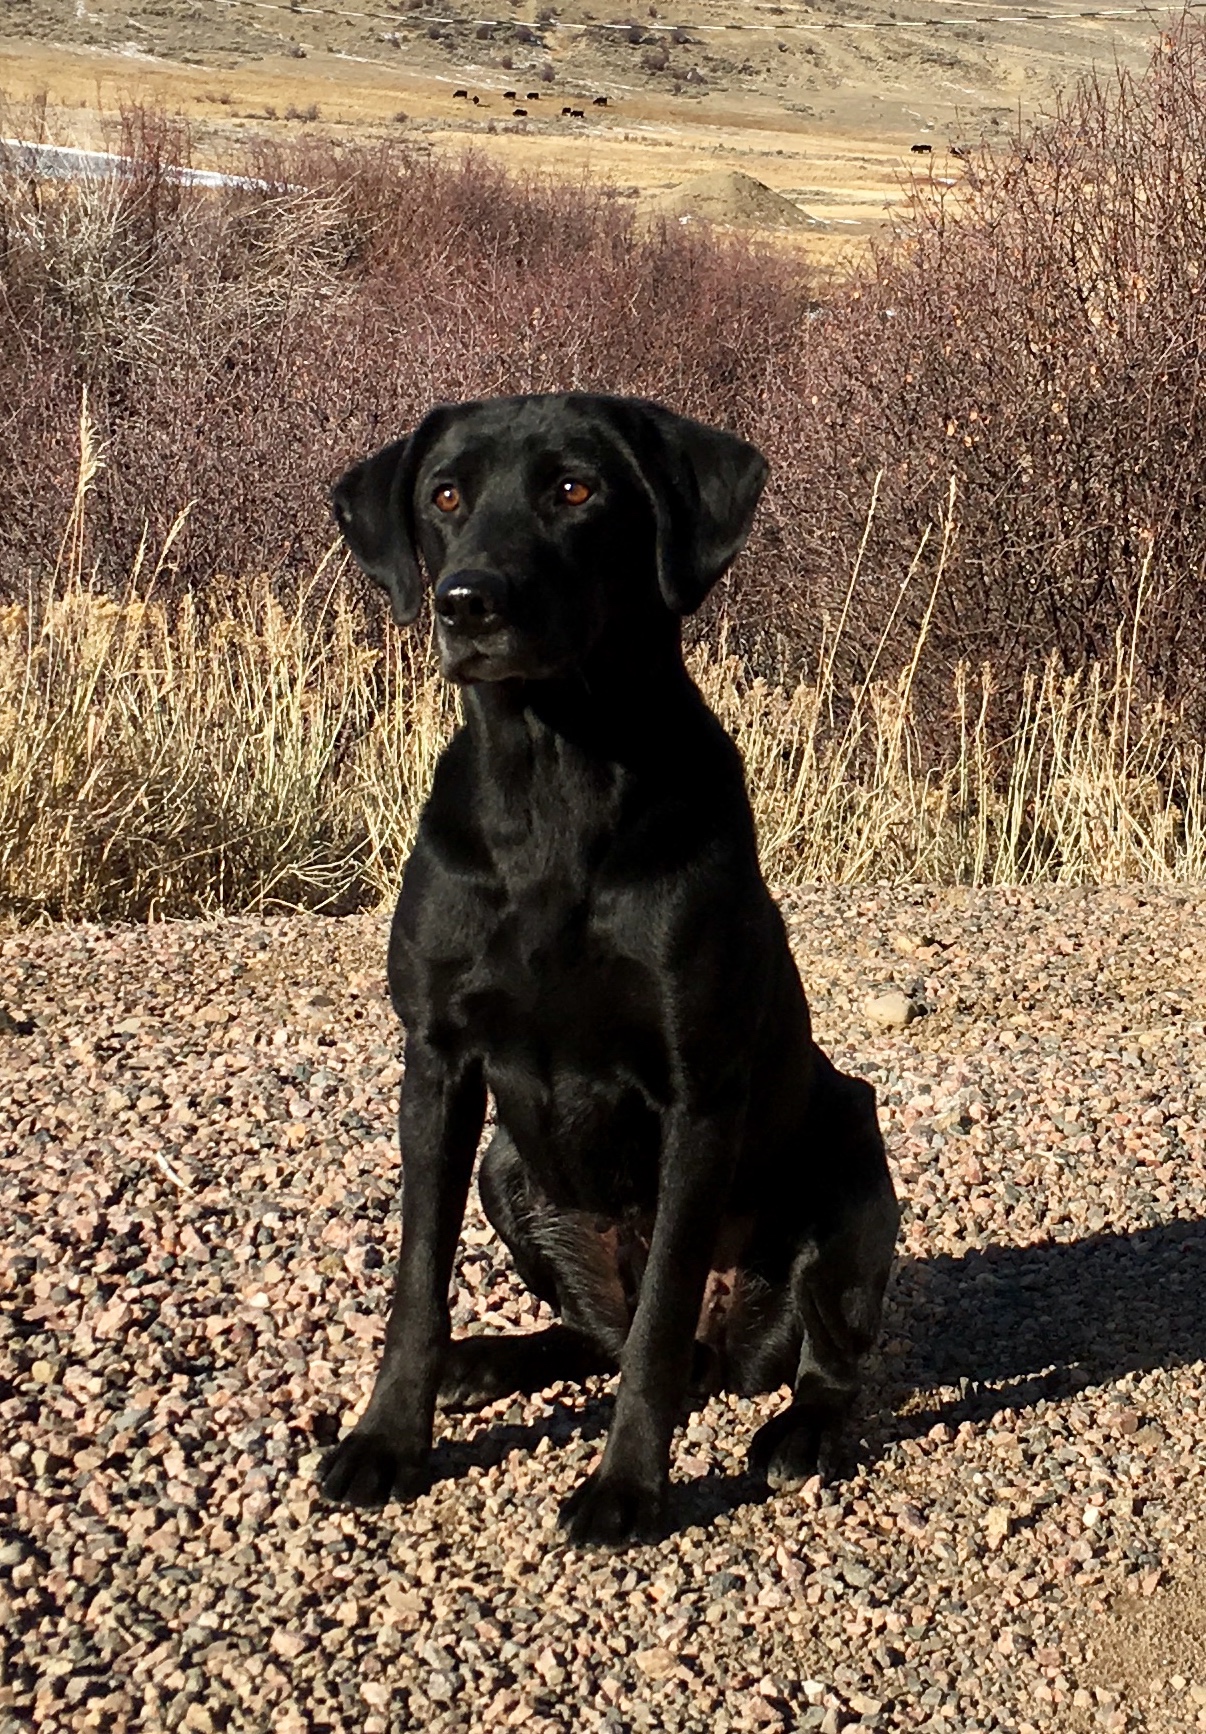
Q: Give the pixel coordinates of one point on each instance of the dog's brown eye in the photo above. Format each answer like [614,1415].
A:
[447,498]
[575,493]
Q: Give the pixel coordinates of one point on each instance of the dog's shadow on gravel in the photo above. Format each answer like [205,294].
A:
[489,1442]
[1005,1327]
[1008,1326]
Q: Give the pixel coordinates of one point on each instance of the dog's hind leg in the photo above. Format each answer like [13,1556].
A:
[836,1289]
[564,1265]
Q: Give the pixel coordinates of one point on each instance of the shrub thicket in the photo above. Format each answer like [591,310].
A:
[241,348]
[1038,331]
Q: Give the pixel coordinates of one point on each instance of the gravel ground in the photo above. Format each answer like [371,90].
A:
[197,1188]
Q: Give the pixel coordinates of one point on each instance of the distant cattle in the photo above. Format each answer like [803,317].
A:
[476,100]
[921,150]
[578,114]
[508,96]
[600,102]
[566,111]
[463,93]
[533,96]
[521,113]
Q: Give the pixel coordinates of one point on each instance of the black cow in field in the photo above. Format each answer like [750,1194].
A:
[533,96]
[508,96]
[463,93]
[520,113]
[921,149]
[600,102]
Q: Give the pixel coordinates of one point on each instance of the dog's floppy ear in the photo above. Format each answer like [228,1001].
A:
[374,507]
[704,485]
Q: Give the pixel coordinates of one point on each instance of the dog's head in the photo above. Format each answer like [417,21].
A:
[541,520]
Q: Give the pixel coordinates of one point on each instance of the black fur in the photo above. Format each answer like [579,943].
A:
[584,932]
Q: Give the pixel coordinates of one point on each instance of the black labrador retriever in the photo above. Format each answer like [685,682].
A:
[584,932]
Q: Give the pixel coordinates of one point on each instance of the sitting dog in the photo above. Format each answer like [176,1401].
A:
[584,932]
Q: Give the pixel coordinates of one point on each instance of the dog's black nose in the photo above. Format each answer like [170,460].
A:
[472,602]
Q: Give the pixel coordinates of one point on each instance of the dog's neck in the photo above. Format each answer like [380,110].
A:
[567,764]
[619,705]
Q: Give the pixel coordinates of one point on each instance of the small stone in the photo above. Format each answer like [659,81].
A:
[657,1662]
[997,1526]
[911,1520]
[864,1705]
[288,1644]
[893,1010]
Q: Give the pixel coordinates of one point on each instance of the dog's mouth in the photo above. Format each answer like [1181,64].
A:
[495,656]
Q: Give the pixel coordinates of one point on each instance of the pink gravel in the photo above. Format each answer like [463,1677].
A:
[197,1198]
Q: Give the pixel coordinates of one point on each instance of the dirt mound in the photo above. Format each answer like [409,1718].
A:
[730,198]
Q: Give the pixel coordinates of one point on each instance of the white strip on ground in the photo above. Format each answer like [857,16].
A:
[63,162]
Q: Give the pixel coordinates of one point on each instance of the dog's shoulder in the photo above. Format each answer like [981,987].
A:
[689,812]
[448,883]
[451,822]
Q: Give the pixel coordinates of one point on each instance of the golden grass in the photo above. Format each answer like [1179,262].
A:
[1072,783]
[152,765]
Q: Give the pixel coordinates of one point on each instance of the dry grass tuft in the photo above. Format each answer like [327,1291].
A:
[1072,781]
[157,761]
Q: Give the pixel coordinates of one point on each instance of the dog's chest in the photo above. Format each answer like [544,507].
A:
[573,1051]
[557,985]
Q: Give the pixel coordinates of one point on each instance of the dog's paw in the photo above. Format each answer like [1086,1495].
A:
[480,1370]
[787,1451]
[368,1468]
[613,1511]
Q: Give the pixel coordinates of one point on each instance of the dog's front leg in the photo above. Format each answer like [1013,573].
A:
[624,1499]
[439,1124]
